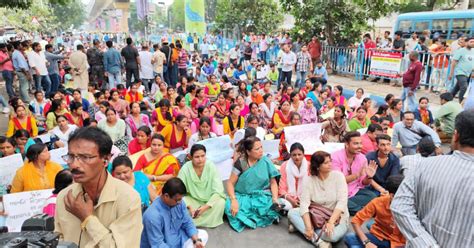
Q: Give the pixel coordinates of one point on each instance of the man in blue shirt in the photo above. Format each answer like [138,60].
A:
[167,222]
[320,73]
[22,70]
[462,66]
[388,164]
[113,65]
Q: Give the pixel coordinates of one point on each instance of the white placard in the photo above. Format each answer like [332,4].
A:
[225,168]
[270,148]
[331,147]
[218,149]
[362,131]
[8,167]
[307,135]
[56,155]
[45,138]
[21,206]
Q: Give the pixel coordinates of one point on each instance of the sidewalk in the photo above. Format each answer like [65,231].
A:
[381,89]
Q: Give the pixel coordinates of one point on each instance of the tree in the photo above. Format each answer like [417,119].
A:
[263,16]
[176,13]
[25,4]
[338,20]
[23,18]
[70,14]
[135,25]
[427,5]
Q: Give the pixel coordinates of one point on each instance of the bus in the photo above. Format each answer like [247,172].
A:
[447,25]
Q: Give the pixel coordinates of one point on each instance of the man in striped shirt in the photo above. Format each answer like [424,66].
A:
[433,206]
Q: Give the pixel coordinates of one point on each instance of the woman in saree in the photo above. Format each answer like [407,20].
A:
[233,121]
[340,99]
[120,105]
[79,116]
[141,141]
[203,112]
[212,88]
[199,100]
[181,109]
[220,108]
[22,121]
[135,120]
[257,112]
[176,134]
[122,169]
[252,188]
[205,197]
[204,131]
[335,127]
[304,91]
[157,164]
[360,120]
[58,107]
[281,118]
[162,116]
[244,108]
[308,113]
[268,109]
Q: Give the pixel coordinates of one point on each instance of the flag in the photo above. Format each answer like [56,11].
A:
[142,9]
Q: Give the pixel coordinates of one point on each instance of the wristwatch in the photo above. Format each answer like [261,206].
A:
[197,240]
[365,242]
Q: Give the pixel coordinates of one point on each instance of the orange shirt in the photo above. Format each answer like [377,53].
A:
[258,99]
[384,226]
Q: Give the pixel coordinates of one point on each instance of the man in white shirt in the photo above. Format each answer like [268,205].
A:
[146,69]
[288,60]
[234,54]
[158,59]
[410,44]
[37,61]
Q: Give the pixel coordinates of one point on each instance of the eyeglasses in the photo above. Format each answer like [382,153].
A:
[69,158]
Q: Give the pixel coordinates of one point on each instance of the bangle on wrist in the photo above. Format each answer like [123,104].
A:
[197,240]
[365,242]
[370,178]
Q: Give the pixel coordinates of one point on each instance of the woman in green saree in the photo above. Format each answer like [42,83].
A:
[252,188]
[205,199]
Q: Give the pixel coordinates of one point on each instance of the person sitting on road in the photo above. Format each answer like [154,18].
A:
[384,232]
[252,188]
[315,193]
[205,199]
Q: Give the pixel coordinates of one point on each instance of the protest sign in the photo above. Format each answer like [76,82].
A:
[225,168]
[56,155]
[385,64]
[45,138]
[308,135]
[270,148]
[218,149]
[8,167]
[21,206]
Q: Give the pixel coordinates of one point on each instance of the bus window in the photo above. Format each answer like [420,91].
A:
[405,27]
[440,29]
[461,27]
[420,26]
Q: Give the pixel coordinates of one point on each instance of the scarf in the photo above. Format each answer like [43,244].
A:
[268,111]
[425,116]
[292,173]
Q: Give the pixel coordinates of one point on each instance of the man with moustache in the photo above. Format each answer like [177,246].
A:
[97,210]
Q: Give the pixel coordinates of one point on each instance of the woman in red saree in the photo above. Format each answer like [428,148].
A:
[281,118]
[176,134]
[220,108]
[22,121]
[141,141]
[157,164]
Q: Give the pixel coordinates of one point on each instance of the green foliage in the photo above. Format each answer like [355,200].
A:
[338,20]
[134,24]
[71,14]
[176,13]
[426,5]
[22,18]
[25,4]
[263,16]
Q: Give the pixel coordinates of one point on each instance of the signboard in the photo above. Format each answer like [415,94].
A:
[21,206]
[385,64]
[307,135]
[8,167]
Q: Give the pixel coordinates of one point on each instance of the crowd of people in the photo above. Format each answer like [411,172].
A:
[123,183]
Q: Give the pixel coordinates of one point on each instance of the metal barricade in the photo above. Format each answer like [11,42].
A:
[357,60]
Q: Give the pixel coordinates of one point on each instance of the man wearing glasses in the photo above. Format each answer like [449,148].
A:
[97,210]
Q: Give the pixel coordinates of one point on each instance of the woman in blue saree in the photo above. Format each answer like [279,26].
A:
[252,188]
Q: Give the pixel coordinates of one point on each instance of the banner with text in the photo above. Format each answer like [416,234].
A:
[385,64]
